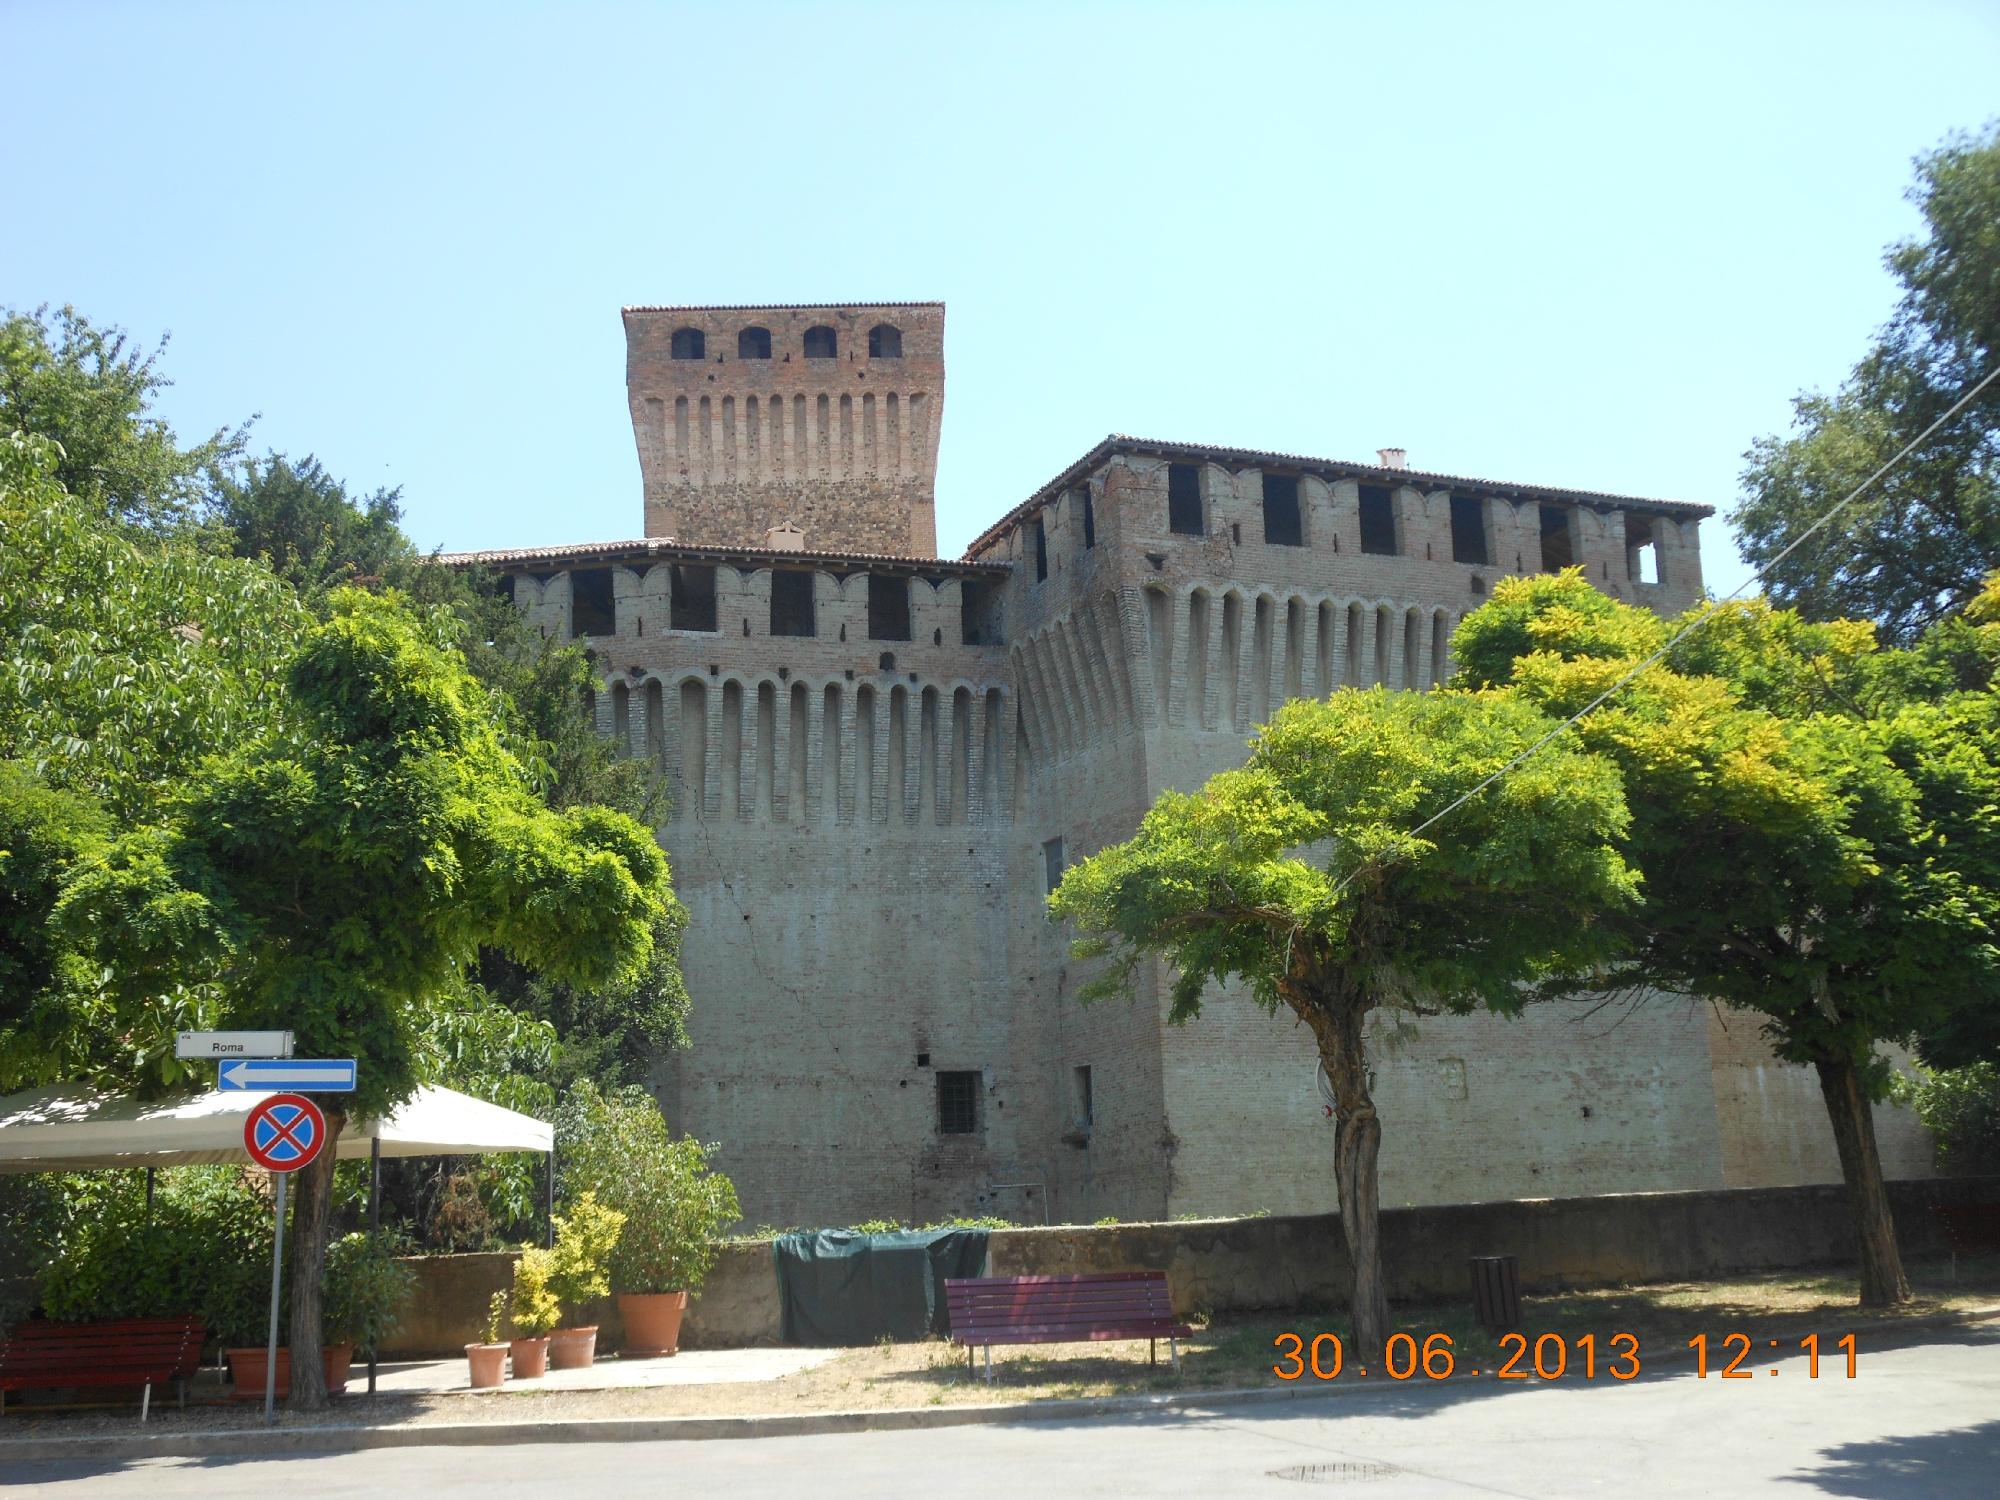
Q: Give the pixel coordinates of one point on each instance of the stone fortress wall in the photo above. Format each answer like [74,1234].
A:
[880,760]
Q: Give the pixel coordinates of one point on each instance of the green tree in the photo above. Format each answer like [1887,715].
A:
[336,875]
[1302,876]
[302,523]
[90,390]
[1920,544]
[1796,857]
[45,983]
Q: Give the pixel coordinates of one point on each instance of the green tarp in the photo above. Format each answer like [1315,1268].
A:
[837,1287]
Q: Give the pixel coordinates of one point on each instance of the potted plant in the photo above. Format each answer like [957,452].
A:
[487,1361]
[365,1291]
[585,1238]
[535,1312]
[618,1147]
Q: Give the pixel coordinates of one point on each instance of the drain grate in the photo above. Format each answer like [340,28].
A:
[1336,1473]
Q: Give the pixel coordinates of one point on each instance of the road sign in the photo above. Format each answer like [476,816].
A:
[284,1132]
[196,1044]
[327,1075]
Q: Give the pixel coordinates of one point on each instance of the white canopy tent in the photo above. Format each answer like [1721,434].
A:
[66,1128]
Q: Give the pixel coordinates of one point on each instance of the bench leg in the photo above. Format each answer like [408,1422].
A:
[989,1364]
[1174,1348]
[146,1401]
[1152,1352]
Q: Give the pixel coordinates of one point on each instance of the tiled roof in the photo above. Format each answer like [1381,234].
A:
[647,307]
[1119,442]
[657,549]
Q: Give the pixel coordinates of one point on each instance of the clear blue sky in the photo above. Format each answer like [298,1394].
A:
[1594,246]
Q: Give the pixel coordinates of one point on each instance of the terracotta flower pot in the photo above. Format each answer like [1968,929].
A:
[488,1364]
[531,1357]
[246,1371]
[652,1322]
[573,1348]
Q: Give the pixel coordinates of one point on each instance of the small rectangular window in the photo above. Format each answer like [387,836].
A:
[1558,546]
[958,1103]
[1642,551]
[792,604]
[1089,519]
[691,606]
[1378,520]
[1468,530]
[1283,526]
[888,608]
[1052,862]
[1041,550]
[1081,1108]
[1184,500]
[591,611]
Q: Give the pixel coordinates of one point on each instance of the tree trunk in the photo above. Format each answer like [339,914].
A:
[312,1210]
[1336,1021]
[1883,1283]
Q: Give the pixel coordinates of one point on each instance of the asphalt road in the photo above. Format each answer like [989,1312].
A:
[1920,1420]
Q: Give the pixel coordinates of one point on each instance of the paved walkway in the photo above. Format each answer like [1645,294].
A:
[689,1367]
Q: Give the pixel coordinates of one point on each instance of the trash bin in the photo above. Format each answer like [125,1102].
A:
[1496,1292]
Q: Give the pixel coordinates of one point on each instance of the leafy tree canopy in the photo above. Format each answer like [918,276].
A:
[1921,543]
[90,390]
[302,523]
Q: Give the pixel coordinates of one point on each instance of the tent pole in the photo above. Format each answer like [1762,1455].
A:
[374,1226]
[549,1203]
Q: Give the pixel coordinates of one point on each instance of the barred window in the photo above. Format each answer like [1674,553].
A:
[958,1103]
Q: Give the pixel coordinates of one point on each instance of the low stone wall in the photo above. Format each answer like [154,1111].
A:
[1240,1265]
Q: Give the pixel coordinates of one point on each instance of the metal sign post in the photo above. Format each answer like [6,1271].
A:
[282,1134]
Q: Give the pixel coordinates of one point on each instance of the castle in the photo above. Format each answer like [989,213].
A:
[881,761]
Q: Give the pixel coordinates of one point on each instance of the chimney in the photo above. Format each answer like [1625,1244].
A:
[786,536]
[1393,458]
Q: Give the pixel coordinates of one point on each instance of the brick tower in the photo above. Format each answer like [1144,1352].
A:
[755,420]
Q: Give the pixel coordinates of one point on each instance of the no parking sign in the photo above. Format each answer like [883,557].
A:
[284,1132]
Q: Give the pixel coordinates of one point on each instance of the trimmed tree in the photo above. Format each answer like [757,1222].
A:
[1301,875]
[336,877]
[1794,864]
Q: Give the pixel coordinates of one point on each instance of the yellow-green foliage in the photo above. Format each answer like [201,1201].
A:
[585,1238]
[534,1306]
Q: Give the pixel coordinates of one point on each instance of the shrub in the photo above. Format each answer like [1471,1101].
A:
[205,1248]
[536,1309]
[585,1238]
[365,1291]
[1962,1108]
[618,1147]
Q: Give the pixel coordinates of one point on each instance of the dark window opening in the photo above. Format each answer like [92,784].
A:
[591,611]
[1089,520]
[1081,1106]
[690,343]
[885,341]
[1052,862]
[692,603]
[888,608]
[753,343]
[1184,500]
[503,585]
[1041,550]
[1378,520]
[821,344]
[978,622]
[958,1103]
[1558,547]
[1283,525]
[1468,530]
[792,604]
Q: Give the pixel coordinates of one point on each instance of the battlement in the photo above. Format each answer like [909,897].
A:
[823,418]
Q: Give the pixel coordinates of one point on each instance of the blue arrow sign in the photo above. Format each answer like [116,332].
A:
[332,1075]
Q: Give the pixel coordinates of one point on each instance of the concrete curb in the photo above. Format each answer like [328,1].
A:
[261,1442]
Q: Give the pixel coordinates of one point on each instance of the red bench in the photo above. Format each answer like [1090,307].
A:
[131,1351]
[1968,1229]
[989,1310]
